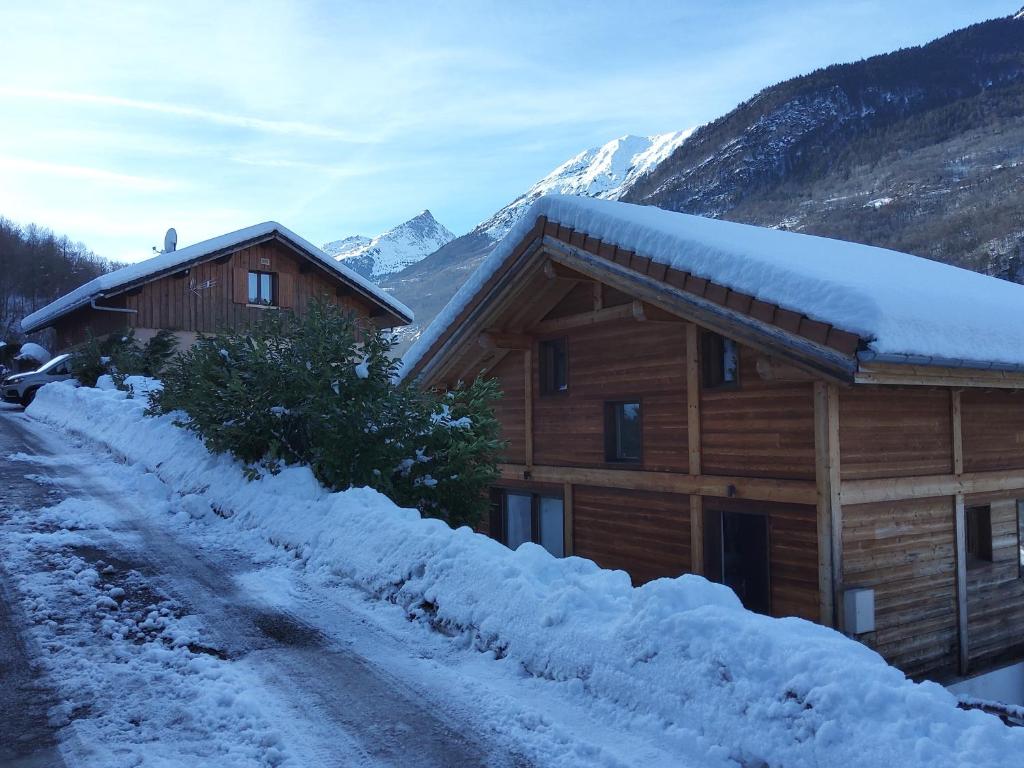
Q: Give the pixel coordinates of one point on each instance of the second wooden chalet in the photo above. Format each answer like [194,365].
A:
[222,283]
[835,431]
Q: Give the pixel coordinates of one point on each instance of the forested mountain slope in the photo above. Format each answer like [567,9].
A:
[921,150]
[37,266]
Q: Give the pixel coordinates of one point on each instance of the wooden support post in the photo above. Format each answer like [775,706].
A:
[567,516]
[960,524]
[693,441]
[958,435]
[961,582]
[598,296]
[528,389]
[830,516]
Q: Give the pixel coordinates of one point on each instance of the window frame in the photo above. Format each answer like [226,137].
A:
[978,535]
[545,367]
[1020,538]
[612,438]
[259,283]
[713,348]
[499,514]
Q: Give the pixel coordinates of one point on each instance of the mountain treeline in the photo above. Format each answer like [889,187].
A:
[36,267]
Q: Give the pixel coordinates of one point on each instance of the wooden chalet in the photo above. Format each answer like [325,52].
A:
[222,283]
[665,414]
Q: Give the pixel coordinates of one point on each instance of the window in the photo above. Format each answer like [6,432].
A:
[520,516]
[1020,538]
[720,361]
[737,555]
[978,525]
[554,367]
[623,432]
[261,288]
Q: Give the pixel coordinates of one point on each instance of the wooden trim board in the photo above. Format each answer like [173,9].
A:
[754,488]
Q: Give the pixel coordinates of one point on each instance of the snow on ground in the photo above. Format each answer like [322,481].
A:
[676,664]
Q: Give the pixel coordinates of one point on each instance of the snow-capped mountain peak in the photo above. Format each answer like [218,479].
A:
[394,250]
[607,172]
[341,248]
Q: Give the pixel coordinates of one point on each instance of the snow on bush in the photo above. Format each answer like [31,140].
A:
[680,653]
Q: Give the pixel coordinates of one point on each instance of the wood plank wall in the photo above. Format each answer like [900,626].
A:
[792,552]
[511,408]
[995,591]
[993,429]
[644,533]
[171,302]
[894,432]
[905,551]
[625,359]
[760,429]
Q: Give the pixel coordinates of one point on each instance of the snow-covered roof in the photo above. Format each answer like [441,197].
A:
[113,281]
[902,305]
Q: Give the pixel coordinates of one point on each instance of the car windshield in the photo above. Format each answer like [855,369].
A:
[46,367]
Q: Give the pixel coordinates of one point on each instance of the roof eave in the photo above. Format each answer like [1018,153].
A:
[275,234]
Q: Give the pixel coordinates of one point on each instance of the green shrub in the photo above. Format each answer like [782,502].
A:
[121,356]
[315,391]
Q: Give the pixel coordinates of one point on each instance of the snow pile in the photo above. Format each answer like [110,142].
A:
[680,654]
[156,675]
[903,304]
[112,281]
[32,351]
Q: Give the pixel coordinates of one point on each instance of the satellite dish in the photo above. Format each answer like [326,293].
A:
[170,240]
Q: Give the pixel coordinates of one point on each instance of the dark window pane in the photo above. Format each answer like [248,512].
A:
[730,361]
[744,558]
[518,519]
[552,526]
[1020,537]
[719,360]
[978,530]
[254,288]
[624,424]
[553,366]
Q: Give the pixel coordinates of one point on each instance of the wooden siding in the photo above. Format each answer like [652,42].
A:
[995,591]
[758,429]
[643,533]
[618,360]
[993,429]
[510,409]
[905,552]
[792,552]
[177,302]
[894,432]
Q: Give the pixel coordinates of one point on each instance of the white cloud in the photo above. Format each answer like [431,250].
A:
[124,180]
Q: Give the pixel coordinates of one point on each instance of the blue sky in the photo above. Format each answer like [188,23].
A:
[118,120]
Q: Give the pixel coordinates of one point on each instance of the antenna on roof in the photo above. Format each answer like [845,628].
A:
[170,240]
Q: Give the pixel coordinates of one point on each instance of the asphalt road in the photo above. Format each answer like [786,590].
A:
[26,738]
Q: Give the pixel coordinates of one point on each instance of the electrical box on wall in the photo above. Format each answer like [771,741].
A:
[859,611]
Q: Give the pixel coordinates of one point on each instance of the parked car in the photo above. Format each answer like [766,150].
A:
[21,387]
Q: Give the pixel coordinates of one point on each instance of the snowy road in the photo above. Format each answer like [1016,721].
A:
[166,638]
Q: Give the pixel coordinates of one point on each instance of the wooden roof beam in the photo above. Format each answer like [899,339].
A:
[499,340]
[803,353]
[555,271]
